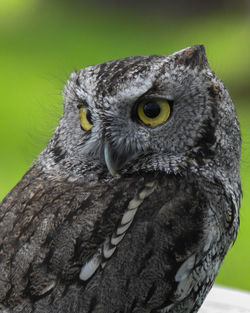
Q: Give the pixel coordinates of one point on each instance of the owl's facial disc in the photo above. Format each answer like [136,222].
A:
[138,112]
[147,114]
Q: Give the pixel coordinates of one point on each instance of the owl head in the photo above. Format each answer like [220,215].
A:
[146,113]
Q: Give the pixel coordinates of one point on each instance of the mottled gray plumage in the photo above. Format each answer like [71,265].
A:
[126,217]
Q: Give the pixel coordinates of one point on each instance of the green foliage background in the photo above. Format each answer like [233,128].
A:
[41,42]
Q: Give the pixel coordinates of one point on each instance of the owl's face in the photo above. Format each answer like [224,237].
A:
[155,112]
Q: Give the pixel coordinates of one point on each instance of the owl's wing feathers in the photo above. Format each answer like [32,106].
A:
[68,240]
[173,246]
[107,249]
[50,228]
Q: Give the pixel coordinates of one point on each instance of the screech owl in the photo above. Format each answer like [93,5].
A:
[134,203]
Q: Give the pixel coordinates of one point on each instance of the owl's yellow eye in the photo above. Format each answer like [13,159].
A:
[153,112]
[85,118]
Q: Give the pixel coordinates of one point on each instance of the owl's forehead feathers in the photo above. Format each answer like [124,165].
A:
[127,79]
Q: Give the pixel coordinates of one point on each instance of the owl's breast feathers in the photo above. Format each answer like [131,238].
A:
[141,243]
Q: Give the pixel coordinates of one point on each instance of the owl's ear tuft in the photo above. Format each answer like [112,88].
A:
[194,56]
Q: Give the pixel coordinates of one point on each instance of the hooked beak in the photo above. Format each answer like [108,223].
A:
[114,161]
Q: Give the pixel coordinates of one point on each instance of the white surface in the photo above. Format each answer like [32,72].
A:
[221,300]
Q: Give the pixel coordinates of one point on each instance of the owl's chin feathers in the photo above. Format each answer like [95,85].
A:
[109,159]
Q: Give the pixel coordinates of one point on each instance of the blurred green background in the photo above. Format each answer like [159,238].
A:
[41,42]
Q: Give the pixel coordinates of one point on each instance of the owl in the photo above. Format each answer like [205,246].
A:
[134,203]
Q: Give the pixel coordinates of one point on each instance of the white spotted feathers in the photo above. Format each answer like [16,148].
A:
[107,249]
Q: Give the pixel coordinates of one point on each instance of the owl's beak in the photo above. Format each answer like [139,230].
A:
[114,161]
[110,158]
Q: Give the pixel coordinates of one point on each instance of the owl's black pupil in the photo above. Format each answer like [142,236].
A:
[151,109]
[88,116]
